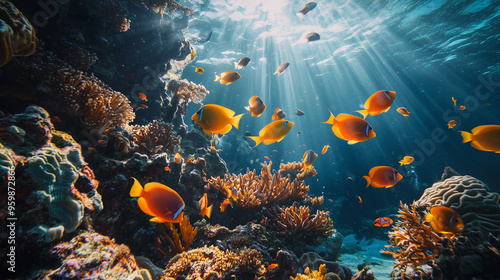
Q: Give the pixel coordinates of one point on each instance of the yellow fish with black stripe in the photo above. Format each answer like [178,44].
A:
[273,132]
[213,118]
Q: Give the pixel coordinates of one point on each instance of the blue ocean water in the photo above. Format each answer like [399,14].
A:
[426,51]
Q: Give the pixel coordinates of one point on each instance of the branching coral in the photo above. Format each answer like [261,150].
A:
[319,274]
[155,137]
[160,6]
[316,201]
[212,263]
[250,190]
[293,220]
[294,169]
[17,36]
[178,243]
[471,198]
[186,92]
[98,106]
[415,243]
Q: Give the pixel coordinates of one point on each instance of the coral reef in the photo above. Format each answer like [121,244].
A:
[250,190]
[294,169]
[316,201]
[178,243]
[364,274]
[210,262]
[98,106]
[16,33]
[412,244]
[115,15]
[94,256]
[185,92]
[155,137]
[471,198]
[319,274]
[311,260]
[75,55]
[293,220]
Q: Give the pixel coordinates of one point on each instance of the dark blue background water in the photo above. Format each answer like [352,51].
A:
[426,51]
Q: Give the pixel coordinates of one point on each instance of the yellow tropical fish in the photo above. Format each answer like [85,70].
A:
[378,103]
[484,138]
[325,148]
[199,70]
[403,111]
[454,101]
[273,132]
[256,107]
[444,220]
[351,128]
[308,159]
[406,160]
[227,77]
[452,124]
[214,118]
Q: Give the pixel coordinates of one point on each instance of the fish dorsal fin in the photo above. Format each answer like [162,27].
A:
[343,117]
[144,206]
[230,113]
[136,189]
[153,185]
[223,130]
[480,128]
[352,142]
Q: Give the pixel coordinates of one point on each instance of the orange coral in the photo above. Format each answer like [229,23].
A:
[98,106]
[295,219]
[170,233]
[294,169]
[212,263]
[16,33]
[316,201]
[250,190]
[155,137]
[415,242]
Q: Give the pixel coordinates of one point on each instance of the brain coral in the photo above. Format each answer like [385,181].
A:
[479,208]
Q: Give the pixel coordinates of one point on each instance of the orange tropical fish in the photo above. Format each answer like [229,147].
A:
[282,68]
[406,160]
[168,169]
[454,101]
[462,107]
[325,148]
[142,106]
[224,205]
[452,124]
[177,158]
[256,107]
[275,151]
[205,210]
[102,141]
[382,177]
[91,149]
[272,266]
[266,157]
[484,138]
[199,70]
[444,220]
[242,63]
[143,96]
[360,200]
[403,111]
[273,132]
[351,128]
[214,118]
[378,103]
[159,201]
[227,77]
[308,159]
[278,114]
[383,222]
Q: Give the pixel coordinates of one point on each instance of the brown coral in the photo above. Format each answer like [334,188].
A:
[17,36]
[316,201]
[155,137]
[415,244]
[294,169]
[75,55]
[178,243]
[98,106]
[319,274]
[293,220]
[479,208]
[210,262]
[186,92]
[250,190]
[115,14]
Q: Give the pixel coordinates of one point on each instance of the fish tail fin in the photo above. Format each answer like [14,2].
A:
[256,139]
[208,212]
[236,65]
[274,117]
[235,121]
[401,162]
[466,136]
[300,14]
[331,120]
[363,112]
[217,78]
[368,181]
[136,189]
[247,108]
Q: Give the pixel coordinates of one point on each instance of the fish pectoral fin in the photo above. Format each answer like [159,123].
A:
[352,142]
[337,133]
[224,130]
[478,146]
[207,132]
[267,141]
[228,83]
[157,220]
[144,206]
